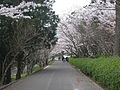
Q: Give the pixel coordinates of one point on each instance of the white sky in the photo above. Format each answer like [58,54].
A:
[65,6]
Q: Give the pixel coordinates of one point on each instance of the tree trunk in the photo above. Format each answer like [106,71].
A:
[6,74]
[7,77]
[43,64]
[19,59]
[1,70]
[117,30]
[46,62]
[18,75]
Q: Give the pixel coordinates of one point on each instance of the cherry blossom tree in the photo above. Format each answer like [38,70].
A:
[90,30]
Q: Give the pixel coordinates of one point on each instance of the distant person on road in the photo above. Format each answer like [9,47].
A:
[63,59]
[67,59]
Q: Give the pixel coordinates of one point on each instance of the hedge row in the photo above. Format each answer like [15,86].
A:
[105,70]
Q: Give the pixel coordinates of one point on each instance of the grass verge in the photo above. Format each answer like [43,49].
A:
[105,70]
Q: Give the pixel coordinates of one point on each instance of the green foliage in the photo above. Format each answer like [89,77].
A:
[10,2]
[22,75]
[100,55]
[45,23]
[16,2]
[13,78]
[26,35]
[105,70]
[36,68]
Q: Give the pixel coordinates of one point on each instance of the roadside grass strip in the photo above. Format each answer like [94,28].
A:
[105,70]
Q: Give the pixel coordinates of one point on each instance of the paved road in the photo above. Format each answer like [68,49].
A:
[59,76]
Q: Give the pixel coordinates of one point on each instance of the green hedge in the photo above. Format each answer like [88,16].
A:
[105,70]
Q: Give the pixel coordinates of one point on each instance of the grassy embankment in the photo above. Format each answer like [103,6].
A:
[105,70]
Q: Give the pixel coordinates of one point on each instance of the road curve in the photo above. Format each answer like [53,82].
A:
[58,76]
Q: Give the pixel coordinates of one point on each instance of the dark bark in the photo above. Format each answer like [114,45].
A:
[7,69]
[93,1]
[117,30]
[43,64]
[104,1]
[18,75]
[19,60]
[46,62]
[7,78]
[0,70]
[84,51]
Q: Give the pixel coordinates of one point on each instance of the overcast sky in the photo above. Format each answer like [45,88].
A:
[65,6]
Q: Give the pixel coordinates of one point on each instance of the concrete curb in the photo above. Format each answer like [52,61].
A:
[5,86]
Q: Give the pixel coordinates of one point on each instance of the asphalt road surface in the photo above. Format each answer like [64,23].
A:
[58,76]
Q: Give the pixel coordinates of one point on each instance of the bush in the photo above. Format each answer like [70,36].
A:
[36,68]
[105,70]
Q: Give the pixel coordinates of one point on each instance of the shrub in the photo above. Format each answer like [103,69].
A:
[105,70]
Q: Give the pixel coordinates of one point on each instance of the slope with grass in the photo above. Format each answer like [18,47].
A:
[105,70]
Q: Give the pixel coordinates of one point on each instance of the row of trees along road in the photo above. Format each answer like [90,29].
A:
[25,42]
[93,29]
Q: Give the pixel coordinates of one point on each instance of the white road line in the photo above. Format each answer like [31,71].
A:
[46,67]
